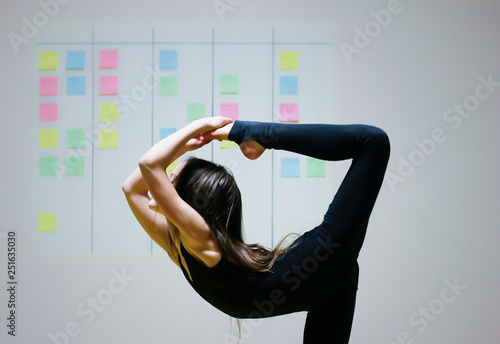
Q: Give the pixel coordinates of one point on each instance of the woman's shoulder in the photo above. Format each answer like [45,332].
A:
[206,253]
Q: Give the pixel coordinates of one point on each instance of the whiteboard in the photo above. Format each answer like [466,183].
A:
[92,216]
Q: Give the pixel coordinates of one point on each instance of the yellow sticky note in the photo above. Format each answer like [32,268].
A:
[172,166]
[108,139]
[47,222]
[289,60]
[48,60]
[108,112]
[228,144]
[48,138]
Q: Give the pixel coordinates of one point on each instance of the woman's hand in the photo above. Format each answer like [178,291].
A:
[221,133]
[198,141]
[212,123]
[208,126]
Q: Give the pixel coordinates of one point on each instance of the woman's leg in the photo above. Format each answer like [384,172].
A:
[332,321]
[347,216]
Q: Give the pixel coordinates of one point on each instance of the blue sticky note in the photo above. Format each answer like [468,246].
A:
[76,85]
[75,60]
[168,59]
[164,132]
[289,85]
[290,167]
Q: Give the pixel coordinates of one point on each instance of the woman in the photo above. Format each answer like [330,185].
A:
[201,224]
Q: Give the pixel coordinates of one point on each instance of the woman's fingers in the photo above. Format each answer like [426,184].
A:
[221,133]
[212,123]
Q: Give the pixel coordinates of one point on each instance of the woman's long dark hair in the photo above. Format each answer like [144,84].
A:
[212,191]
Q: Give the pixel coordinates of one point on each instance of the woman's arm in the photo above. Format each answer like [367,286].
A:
[152,167]
[136,193]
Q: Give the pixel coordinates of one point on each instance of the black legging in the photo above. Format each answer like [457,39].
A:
[319,273]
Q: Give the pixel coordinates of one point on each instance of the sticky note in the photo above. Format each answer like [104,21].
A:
[169,59]
[289,60]
[289,112]
[47,166]
[229,84]
[76,85]
[228,144]
[289,85]
[195,111]
[108,139]
[108,112]
[108,85]
[48,112]
[48,60]
[290,167]
[75,60]
[168,86]
[75,138]
[74,166]
[48,138]
[229,110]
[171,167]
[316,167]
[164,132]
[47,222]
[48,86]
[108,59]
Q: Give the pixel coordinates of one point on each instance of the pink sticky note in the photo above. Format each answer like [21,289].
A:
[48,86]
[229,110]
[108,85]
[48,112]
[289,112]
[108,59]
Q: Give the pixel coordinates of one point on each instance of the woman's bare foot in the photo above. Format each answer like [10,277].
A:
[251,149]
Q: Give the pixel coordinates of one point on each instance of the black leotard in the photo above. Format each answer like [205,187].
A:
[319,274]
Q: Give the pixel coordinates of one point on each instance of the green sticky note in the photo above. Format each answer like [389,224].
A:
[108,139]
[228,144]
[171,167]
[289,60]
[195,111]
[316,167]
[48,60]
[75,138]
[74,166]
[47,222]
[108,112]
[168,86]
[48,138]
[229,84]
[47,166]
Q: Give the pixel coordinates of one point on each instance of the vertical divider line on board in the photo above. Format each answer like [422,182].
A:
[152,107]
[213,84]
[93,156]
[272,150]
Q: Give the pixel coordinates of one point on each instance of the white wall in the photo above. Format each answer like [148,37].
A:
[436,227]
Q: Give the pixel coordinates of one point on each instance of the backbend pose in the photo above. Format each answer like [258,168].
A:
[201,226]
